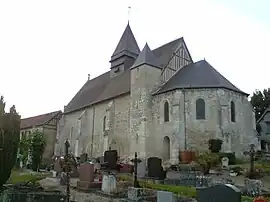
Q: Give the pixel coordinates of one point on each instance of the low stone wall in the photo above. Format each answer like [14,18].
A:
[90,197]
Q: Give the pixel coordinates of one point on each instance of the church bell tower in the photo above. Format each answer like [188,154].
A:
[125,53]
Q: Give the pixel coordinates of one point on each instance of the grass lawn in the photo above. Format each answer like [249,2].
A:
[19,177]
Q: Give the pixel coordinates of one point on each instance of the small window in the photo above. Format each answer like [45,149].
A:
[200,109]
[166,112]
[232,111]
[104,123]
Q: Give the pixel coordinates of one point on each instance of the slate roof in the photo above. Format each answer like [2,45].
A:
[126,45]
[198,75]
[101,88]
[165,52]
[38,120]
[146,57]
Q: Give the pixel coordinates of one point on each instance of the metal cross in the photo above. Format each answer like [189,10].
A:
[129,8]
[251,154]
[136,161]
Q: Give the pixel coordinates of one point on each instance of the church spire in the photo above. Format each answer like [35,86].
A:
[126,46]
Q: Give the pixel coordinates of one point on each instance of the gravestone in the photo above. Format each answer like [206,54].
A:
[100,159]
[87,177]
[110,158]
[83,158]
[141,169]
[155,169]
[63,178]
[253,187]
[219,193]
[165,196]
[57,166]
[225,162]
[108,184]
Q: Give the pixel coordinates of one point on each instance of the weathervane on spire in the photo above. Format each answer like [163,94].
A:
[129,13]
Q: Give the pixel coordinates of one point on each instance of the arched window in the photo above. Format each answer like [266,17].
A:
[166,112]
[200,109]
[104,123]
[232,111]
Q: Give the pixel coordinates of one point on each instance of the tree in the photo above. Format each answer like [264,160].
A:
[24,147]
[9,139]
[260,100]
[37,147]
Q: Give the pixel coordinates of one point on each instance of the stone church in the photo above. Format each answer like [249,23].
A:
[156,102]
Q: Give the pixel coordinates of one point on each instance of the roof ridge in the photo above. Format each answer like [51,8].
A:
[219,75]
[40,115]
[173,41]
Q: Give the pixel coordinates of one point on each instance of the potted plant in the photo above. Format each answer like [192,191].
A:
[187,156]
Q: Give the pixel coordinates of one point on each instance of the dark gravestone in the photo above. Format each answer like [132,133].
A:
[219,193]
[155,169]
[110,158]
[83,158]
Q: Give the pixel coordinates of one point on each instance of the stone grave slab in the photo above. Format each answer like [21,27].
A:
[63,178]
[108,184]
[83,158]
[155,169]
[87,177]
[225,162]
[165,196]
[253,187]
[219,193]
[141,169]
[111,157]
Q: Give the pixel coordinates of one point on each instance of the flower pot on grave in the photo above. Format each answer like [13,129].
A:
[186,156]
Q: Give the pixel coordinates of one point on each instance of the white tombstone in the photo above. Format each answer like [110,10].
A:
[108,184]
[21,164]
[54,173]
[164,196]
[225,162]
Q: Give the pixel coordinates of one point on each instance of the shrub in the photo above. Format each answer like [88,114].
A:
[207,160]
[215,145]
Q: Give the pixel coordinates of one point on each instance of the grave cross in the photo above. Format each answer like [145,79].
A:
[67,145]
[136,161]
[251,153]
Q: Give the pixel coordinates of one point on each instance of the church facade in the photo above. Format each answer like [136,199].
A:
[157,103]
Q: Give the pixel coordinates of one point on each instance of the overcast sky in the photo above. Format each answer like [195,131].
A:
[47,48]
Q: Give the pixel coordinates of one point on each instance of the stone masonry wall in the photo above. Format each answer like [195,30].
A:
[117,125]
[236,136]
[143,81]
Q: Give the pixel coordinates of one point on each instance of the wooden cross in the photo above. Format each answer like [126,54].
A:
[136,161]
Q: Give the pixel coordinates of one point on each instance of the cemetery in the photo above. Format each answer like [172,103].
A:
[206,177]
